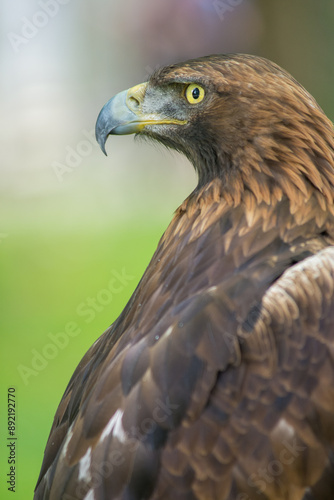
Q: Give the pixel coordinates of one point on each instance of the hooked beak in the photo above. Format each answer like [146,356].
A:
[123,115]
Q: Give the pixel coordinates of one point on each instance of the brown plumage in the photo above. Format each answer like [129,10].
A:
[217,380]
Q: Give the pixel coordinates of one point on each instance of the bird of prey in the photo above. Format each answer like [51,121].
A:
[217,380]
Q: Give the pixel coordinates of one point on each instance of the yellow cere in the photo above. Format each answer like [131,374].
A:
[194,93]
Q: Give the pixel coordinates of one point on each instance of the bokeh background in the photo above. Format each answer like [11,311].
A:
[71,219]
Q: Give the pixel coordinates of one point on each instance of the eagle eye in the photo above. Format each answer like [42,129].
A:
[194,93]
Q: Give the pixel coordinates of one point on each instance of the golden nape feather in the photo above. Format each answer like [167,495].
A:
[217,380]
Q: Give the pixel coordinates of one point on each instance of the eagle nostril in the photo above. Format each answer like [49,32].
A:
[133,103]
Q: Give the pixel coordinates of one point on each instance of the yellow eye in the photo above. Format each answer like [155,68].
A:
[194,93]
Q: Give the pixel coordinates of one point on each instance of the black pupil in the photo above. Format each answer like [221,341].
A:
[195,93]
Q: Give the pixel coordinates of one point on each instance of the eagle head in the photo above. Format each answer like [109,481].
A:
[224,112]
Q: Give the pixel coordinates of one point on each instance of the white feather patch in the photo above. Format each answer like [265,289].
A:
[90,495]
[115,427]
[67,441]
[285,428]
[84,465]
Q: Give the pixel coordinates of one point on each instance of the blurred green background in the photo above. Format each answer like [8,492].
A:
[71,219]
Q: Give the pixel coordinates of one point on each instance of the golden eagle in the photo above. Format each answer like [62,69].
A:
[217,380]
